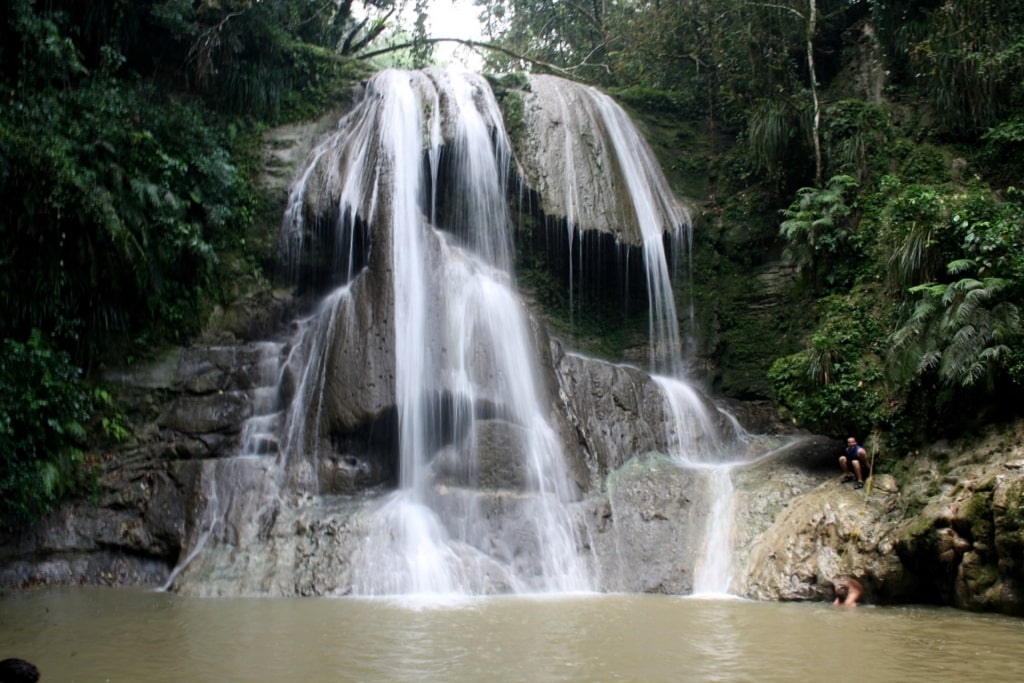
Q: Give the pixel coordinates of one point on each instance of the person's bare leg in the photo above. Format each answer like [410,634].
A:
[854,592]
[848,591]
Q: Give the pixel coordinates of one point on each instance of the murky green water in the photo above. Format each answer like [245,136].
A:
[129,636]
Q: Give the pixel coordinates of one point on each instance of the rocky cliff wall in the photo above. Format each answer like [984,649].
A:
[948,530]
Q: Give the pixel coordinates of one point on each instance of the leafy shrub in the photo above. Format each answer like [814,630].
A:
[917,233]
[819,237]
[1003,152]
[131,195]
[858,139]
[837,383]
[961,331]
[44,406]
[922,163]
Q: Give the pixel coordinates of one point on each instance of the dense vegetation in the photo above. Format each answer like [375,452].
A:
[128,154]
[876,145]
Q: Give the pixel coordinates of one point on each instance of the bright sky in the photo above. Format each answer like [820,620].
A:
[455,19]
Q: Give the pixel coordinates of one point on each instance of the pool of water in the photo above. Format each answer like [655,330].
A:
[134,636]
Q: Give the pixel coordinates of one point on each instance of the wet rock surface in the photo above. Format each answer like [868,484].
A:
[564,143]
[290,518]
[647,529]
[949,531]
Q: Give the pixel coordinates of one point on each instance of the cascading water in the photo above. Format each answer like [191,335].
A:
[696,443]
[464,357]
[694,439]
[600,174]
[426,351]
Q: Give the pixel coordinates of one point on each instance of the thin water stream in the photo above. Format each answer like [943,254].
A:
[123,636]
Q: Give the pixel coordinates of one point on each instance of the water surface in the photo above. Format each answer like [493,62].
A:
[136,636]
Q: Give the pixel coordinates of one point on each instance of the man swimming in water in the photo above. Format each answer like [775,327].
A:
[848,591]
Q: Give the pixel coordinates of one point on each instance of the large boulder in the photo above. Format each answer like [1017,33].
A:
[831,531]
[646,529]
[131,533]
[949,530]
[616,411]
[964,544]
[584,167]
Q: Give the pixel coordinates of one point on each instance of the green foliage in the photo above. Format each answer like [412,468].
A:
[775,130]
[968,55]
[274,59]
[837,383]
[819,236]
[549,31]
[650,100]
[991,230]
[916,231]
[1003,150]
[127,214]
[964,229]
[113,424]
[857,137]
[954,352]
[44,407]
[961,331]
[975,51]
[921,163]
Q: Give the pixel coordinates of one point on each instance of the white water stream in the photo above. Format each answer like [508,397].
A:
[695,439]
[698,444]
[484,502]
[460,333]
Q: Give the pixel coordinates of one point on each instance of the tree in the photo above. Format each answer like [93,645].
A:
[573,35]
[248,56]
[967,55]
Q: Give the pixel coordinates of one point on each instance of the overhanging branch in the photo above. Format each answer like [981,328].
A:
[475,45]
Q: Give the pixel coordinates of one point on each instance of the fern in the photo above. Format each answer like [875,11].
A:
[816,236]
[958,330]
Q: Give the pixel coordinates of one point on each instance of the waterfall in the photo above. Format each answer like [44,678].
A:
[711,452]
[596,169]
[423,162]
[422,350]
[597,140]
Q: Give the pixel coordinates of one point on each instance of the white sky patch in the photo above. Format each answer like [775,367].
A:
[455,19]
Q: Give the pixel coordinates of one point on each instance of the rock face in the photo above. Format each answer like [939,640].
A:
[615,409]
[831,531]
[131,534]
[966,546]
[648,525]
[570,158]
[950,531]
[288,502]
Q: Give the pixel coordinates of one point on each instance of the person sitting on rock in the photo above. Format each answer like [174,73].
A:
[18,671]
[848,591]
[854,458]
